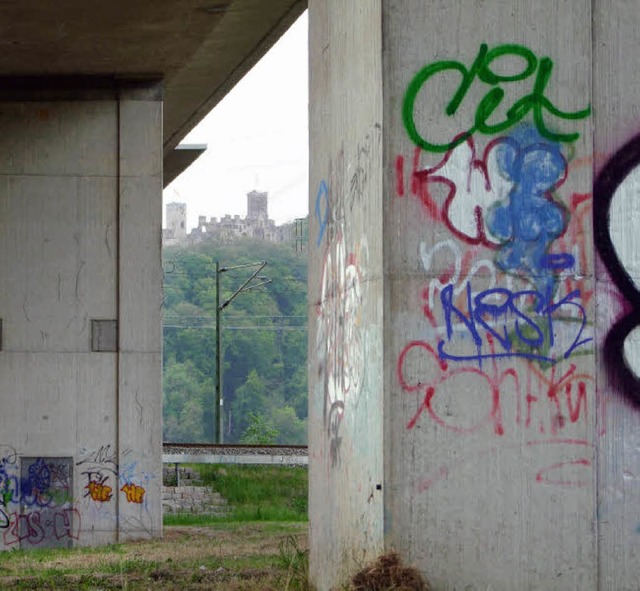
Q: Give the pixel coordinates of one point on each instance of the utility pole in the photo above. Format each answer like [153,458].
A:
[218,413]
[246,286]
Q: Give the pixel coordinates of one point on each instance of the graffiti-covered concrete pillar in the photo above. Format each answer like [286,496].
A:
[484,340]
[345,287]
[80,297]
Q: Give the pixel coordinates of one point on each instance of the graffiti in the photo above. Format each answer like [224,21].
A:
[507,284]
[24,527]
[105,455]
[348,183]
[530,313]
[503,200]
[339,323]
[98,489]
[360,172]
[339,334]
[8,482]
[37,526]
[98,467]
[48,484]
[531,220]
[615,186]
[39,477]
[543,404]
[484,70]
[134,493]
[543,475]
[60,475]
[322,200]
[546,475]
[472,185]
[453,276]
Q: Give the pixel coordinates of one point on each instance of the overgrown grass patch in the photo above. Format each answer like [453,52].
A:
[256,493]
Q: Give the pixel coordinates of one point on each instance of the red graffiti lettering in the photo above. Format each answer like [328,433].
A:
[37,526]
[551,403]
[545,475]
[66,524]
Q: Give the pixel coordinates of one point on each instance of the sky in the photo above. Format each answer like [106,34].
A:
[257,139]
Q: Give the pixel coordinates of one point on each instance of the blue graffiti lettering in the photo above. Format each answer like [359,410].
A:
[515,324]
[323,216]
[39,475]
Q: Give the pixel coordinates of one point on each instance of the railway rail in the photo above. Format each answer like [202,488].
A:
[208,453]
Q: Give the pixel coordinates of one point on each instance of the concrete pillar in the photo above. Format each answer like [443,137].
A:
[80,296]
[616,144]
[499,372]
[139,311]
[345,288]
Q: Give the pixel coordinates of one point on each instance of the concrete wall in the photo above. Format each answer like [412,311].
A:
[80,230]
[511,349]
[616,125]
[491,357]
[345,287]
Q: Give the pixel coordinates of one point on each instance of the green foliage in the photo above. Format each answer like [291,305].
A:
[264,342]
[288,426]
[256,493]
[259,432]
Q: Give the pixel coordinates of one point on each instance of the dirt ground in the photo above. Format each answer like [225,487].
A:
[229,557]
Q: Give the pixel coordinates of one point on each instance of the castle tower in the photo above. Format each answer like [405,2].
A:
[177,219]
[257,205]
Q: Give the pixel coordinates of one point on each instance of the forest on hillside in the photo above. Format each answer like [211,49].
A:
[264,343]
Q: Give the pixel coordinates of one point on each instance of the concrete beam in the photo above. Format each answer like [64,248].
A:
[179,159]
[200,49]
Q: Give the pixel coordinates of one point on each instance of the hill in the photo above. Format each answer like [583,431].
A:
[264,344]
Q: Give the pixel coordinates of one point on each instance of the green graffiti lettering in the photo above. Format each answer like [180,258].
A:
[535,102]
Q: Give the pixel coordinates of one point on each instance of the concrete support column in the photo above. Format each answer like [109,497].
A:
[489,250]
[345,288]
[140,310]
[498,380]
[616,203]
[80,295]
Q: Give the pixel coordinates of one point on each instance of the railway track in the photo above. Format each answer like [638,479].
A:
[209,453]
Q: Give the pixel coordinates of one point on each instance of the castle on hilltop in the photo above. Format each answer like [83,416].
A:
[228,228]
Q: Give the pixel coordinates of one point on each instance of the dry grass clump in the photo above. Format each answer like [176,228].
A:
[388,573]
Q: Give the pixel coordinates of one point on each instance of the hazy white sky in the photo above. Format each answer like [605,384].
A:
[257,139]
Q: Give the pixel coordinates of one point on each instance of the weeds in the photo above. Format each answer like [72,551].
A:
[295,561]
[387,573]
[221,557]
[256,493]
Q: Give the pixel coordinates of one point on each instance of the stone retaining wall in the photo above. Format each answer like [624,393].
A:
[193,499]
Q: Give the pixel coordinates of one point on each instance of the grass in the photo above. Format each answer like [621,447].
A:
[226,556]
[261,546]
[256,493]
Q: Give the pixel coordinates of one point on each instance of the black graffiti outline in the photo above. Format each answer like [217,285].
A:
[610,178]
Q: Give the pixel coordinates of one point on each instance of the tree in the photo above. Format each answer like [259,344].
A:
[291,429]
[259,432]
[264,363]
[250,399]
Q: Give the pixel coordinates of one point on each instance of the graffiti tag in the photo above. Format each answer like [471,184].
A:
[484,70]
[134,493]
